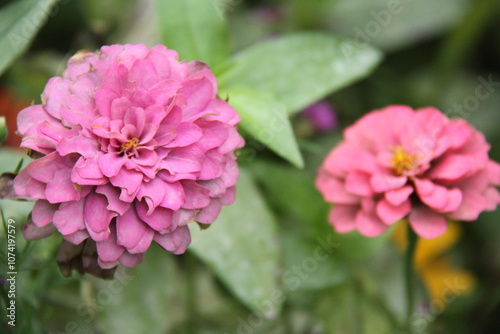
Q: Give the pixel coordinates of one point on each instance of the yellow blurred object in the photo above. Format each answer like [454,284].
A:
[438,273]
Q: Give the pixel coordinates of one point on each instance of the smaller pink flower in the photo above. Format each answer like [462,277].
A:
[399,163]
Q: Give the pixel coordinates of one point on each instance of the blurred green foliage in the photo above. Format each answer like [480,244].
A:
[271,263]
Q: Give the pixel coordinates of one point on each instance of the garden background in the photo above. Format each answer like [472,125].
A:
[271,263]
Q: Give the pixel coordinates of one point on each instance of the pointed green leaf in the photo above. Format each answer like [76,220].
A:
[300,68]
[19,22]
[18,210]
[266,119]
[241,247]
[196,29]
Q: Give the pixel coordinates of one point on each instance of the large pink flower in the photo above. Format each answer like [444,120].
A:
[397,162]
[136,145]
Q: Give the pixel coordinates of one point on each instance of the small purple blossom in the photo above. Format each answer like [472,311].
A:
[322,116]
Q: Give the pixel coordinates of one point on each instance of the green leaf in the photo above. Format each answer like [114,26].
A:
[241,247]
[300,68]
[196,29]
[3,129]
[266,119]
[347,309]
[19,22]
[9,159]
[17,210]
[153,292]
[311,264]
[305,212]
[393,25]
[299,201]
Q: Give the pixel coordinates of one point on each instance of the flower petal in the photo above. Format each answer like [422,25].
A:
[69,217]
[389,213]
[130,260]
[43,213]
[187,134]
[343,217]
[453,167]
[176,241]
[198,93]
[385,182]
[426,223]
[197,197]
[77,237]
[113,196]
[369,224]
[160,219]
[33,232]
[209,213]
[333,191]
[127,180]
[152,192]
[86,147]
[111,163]
[97,217]
[184,160]
[454,200]
[493,169]
[61,188]
[174,196]
[132,232]
[108,250]
[358,183]
[398,196]
[437,197]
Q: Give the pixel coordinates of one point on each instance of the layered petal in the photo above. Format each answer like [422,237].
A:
[396,163]
[136,145]
[426,223]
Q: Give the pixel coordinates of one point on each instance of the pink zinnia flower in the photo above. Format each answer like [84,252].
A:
[397,162]
[136,145]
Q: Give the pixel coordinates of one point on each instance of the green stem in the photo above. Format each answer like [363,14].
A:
[409,276]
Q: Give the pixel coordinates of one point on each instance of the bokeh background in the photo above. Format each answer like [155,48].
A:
[307,279]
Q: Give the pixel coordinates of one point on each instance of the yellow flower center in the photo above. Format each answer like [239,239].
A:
[131,143]
[402,161]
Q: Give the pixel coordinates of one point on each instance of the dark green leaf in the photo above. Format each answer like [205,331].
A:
[394,24]
[266,119]
[300,68]
[305,211]
[19,22]
[196,29]
[241,247]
